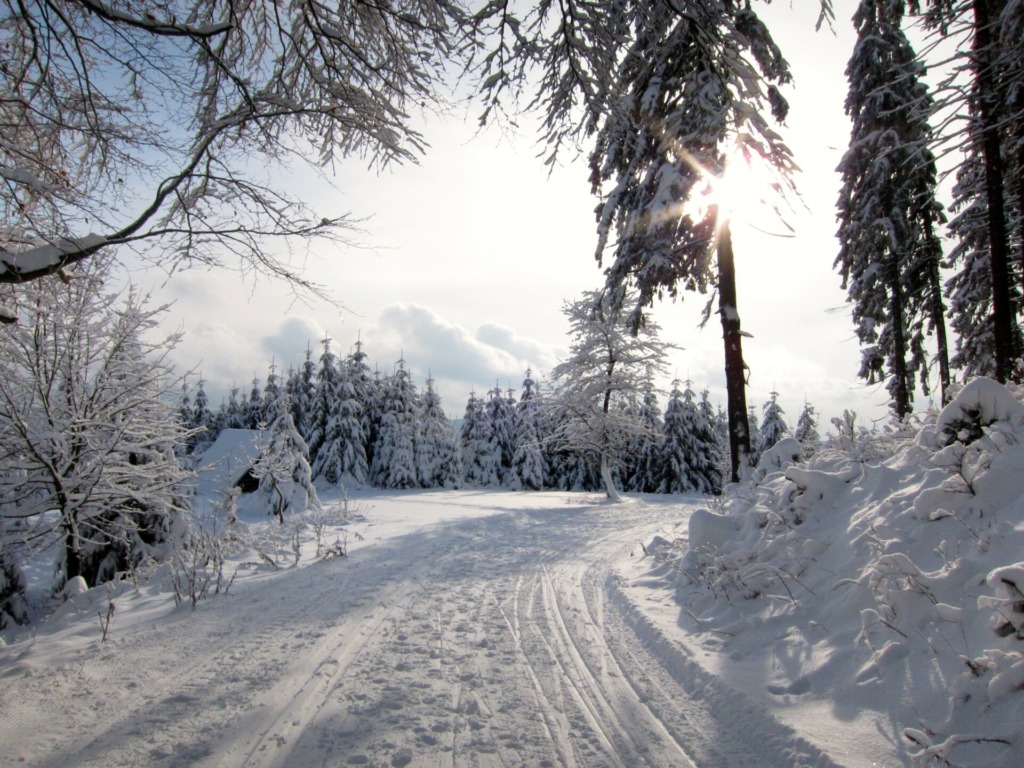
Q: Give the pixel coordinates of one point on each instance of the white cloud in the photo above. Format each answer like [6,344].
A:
[458,360]
[286,346]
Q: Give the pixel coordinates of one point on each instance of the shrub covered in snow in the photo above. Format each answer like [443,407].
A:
[894,573]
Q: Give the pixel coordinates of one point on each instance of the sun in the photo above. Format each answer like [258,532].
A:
[745,190]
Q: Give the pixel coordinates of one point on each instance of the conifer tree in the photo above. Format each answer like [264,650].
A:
[202,420]
[305,394]
[500,411]
[689,456]
[435,449]
[234,418]
[889,252]
[479,461]
[647,474]
[255,417]
[756,449]
[991,138]
[394,459]
[323,406]
[807,431]
[271,391]
[285,477]
[341,459]
[529,467]
[773,426]
[368,394]
[184,415]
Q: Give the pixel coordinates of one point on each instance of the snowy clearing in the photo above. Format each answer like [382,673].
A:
[463,629]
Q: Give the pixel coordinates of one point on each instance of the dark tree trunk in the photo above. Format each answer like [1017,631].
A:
[988,114]
[901,391]
[938,316]
[735,381]
[937,307]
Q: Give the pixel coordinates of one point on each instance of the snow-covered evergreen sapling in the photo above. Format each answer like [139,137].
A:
[773,426]
[285,477]
[807,431]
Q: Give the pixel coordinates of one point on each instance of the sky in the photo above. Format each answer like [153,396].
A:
[466,261]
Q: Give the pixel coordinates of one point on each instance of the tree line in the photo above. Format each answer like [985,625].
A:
[595,424]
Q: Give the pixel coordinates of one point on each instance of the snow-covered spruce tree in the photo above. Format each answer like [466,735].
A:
[689,459]
[88,428]
[394,457]
[773,426]
[807,431]
[719,430]
[479,461]
[970,286]
[89,137]
[305,394]
[647,472]
[253,412]
[234,418]
[889,253]
[368,394]
[271,392]
[13,607]
[185,404]
[756,449]
[529,467]
[501,413]
[435,446]
[991,136]
[607,366]
[341,459]
[322,408]
[202,422]
[285,477]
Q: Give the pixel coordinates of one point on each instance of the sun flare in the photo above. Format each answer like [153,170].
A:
[745,188]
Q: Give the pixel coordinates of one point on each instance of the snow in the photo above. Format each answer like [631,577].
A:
[843,612]
[227,460]
[48,255]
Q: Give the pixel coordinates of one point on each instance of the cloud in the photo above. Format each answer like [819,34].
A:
[457,359]
[538,354]
[286,346]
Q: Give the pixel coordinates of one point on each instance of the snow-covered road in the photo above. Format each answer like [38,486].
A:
[500,637]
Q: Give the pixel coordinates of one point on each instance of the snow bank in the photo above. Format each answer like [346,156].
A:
[890,591]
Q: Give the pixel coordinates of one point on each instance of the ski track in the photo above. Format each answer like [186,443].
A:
[496,642]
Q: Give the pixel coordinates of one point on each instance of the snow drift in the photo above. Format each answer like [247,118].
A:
[889,589]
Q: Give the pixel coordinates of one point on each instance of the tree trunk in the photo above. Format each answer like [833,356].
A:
[735,381]
[72,559]
[606,478]
[901,391]
[937,311]
[988,100]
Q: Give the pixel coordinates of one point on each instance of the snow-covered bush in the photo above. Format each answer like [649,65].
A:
[979,404]
[904,551]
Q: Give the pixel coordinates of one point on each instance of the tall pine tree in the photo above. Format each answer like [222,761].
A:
[889,252]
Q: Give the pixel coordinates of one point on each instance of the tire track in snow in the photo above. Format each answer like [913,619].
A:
[619,711]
